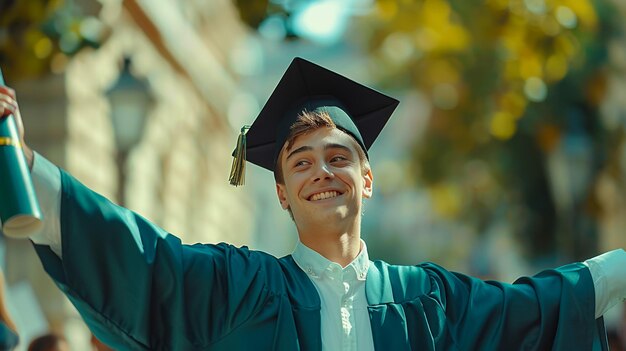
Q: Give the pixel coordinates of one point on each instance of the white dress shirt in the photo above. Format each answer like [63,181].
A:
[344,319]
[344,316]
[47,183]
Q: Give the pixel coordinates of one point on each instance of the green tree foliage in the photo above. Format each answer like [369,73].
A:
[38,36]
[513,86]
[511,82]
[252,12]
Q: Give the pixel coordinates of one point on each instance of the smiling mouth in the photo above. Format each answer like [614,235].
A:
[325,195]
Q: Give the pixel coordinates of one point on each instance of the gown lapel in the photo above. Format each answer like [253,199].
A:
[401,325]
[385,318]
[306,305]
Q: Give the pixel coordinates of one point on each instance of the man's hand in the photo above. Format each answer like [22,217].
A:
[9,106]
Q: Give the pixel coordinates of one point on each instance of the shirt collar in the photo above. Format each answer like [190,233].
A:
[316,265]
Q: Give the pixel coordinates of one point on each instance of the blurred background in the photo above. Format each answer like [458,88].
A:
[507,154]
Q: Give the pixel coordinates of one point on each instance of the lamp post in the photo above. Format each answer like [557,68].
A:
[130,100]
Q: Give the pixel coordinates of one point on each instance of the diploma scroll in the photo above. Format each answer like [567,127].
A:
[20,215]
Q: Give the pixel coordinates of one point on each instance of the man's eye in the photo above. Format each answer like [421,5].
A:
[300,163]
[338,158]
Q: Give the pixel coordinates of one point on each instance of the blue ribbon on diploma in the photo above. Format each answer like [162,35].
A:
[20,215]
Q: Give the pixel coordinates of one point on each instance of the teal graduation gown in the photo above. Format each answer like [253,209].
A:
[8,338]
[139,288]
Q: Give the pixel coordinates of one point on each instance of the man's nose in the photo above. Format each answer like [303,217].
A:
[323,171]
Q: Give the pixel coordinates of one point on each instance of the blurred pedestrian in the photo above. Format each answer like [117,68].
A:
[615,342]
[49,342]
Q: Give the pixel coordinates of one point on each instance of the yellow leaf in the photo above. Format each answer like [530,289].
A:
[530,64]
[387,9]
[556,67]
[503,125]
[446,199]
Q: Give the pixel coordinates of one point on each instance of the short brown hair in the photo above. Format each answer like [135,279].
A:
[307,122]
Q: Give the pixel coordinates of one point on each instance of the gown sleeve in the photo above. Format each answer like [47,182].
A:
[553,310]
[139,288]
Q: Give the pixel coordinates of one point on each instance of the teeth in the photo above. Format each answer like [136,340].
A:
[324,195]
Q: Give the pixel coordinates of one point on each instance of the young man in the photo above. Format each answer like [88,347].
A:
[139,288]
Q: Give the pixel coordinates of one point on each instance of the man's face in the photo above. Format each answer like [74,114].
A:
[324,182]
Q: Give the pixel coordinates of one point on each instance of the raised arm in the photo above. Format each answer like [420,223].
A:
[553,310]
[137,286]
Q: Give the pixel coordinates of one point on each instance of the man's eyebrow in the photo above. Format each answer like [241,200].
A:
[298,150]
[326,147]
[337,146]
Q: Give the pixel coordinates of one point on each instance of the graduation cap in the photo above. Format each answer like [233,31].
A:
[356,109]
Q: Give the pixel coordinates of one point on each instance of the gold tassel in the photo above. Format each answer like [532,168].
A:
[238,169]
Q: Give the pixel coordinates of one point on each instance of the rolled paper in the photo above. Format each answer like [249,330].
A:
[20,215]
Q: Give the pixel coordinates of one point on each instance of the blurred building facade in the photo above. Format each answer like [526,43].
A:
[174,170]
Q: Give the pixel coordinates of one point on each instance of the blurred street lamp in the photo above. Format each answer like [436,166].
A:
[130,100]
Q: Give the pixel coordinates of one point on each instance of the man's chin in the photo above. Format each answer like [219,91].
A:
[330,215]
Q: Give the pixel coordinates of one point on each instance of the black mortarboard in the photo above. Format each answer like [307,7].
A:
[355,109]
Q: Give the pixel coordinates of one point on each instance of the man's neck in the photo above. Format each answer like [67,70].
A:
[341,247]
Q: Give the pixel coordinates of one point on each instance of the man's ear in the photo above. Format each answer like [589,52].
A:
[368,184]
[282,196]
